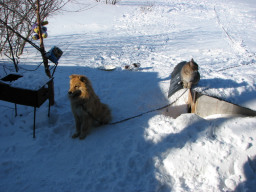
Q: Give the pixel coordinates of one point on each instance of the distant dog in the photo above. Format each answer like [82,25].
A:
[86,106]
[190,74]
[184,75]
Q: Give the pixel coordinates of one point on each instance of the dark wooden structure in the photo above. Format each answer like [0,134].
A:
[34,98]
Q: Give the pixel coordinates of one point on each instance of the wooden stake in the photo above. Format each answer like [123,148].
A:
[192,100]
[42,50]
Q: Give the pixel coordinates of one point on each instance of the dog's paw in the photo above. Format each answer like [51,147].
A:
[75,135]
[81,137]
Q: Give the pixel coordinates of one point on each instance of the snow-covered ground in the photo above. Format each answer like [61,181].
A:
[153,152]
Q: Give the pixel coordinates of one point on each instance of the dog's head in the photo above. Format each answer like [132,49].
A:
[77,86]
[193,65]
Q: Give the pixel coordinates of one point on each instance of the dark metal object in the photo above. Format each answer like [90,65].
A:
[34,98]
[176,82]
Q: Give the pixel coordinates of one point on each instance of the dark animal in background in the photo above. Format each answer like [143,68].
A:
[184,75]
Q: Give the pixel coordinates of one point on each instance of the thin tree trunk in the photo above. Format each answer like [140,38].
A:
[42,50]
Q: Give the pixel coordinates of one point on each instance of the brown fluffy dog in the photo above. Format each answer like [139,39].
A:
[86,106]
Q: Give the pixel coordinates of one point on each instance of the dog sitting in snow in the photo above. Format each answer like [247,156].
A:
[86,106]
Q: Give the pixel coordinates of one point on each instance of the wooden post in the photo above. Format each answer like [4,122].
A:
[192,100]
[42,50]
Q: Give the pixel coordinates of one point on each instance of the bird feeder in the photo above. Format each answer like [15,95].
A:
[54,54]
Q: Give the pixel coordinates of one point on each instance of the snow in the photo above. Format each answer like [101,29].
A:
[157,151]
[31,81]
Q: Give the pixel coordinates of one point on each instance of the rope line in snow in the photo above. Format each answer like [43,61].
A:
[218,19]
[139,115]
[232,41]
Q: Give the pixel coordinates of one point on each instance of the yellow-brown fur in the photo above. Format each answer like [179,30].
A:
[86,106]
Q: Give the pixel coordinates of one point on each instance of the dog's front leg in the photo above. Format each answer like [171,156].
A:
[189,85]
[85,127]
[78,128]
[185,84]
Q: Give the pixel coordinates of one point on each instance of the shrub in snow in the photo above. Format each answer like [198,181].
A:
[113,2]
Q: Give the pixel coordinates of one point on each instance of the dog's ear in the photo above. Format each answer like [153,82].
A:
[192,62]
[83,78]
[72,76]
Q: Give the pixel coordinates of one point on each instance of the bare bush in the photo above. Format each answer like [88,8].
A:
[19,16]
[113,2]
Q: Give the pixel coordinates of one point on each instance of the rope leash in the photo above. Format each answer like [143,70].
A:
[136,116]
